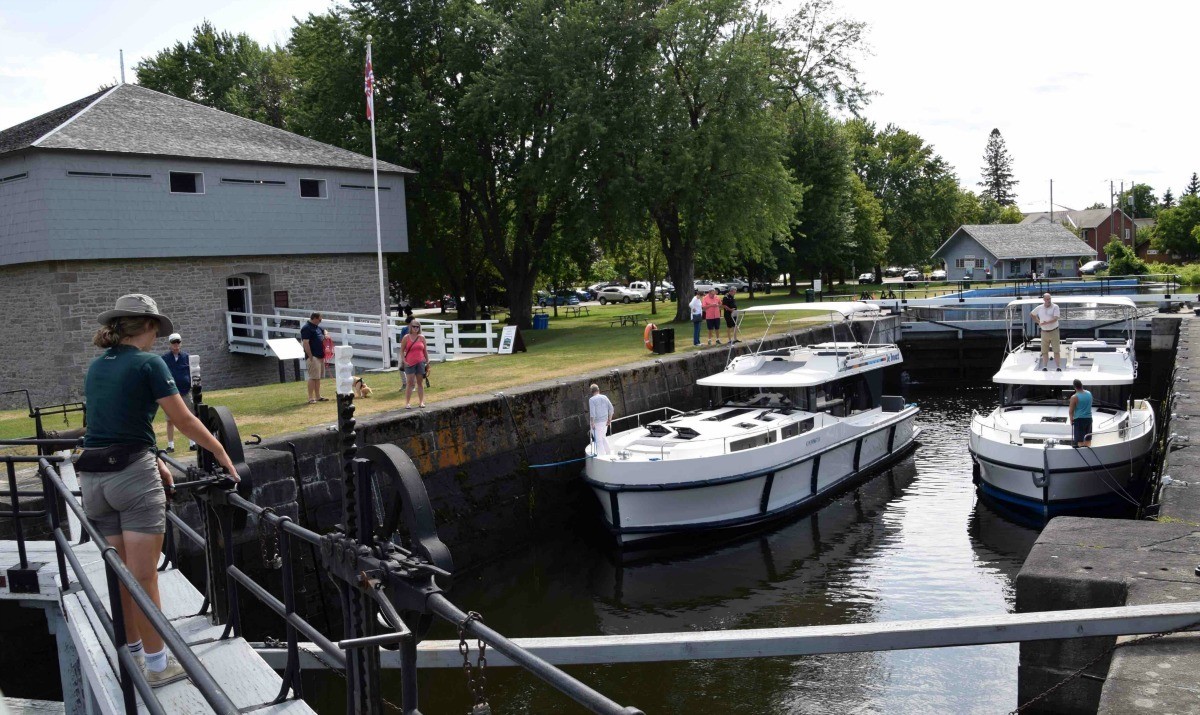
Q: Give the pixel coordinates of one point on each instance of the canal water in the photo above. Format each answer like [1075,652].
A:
[913,542]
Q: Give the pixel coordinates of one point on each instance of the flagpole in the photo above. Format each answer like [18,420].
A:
[383,311]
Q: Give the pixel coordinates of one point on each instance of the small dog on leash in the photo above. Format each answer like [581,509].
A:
[360,388]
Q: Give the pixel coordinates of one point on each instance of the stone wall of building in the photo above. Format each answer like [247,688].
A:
[53,308]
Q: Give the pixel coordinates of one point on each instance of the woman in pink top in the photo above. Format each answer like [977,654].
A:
[414,358]
[712,314]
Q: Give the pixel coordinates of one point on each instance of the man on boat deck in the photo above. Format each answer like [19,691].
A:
[1080,411]
[600,414]
[1047,315]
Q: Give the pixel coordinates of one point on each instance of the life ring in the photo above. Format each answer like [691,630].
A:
[647,336]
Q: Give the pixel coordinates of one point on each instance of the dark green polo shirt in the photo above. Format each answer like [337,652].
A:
[122,390]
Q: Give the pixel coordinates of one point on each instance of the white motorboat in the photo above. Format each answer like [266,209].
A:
[791,426]
[1024,450]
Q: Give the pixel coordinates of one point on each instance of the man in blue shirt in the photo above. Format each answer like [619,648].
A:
[178,363]
[313,339]
[1080,411]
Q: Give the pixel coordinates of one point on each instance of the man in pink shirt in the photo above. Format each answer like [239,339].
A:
[712,314]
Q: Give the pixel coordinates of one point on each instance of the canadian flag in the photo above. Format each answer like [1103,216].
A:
[369,86]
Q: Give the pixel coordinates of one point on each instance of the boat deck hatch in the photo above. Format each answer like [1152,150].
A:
[730,414]
[746,425]
[686,433]
[657,430]
[1054,419]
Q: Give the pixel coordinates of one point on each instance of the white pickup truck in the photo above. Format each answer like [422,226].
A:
[643,289]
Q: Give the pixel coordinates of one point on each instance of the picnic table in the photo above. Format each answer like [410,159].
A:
[577,310]
[631,319]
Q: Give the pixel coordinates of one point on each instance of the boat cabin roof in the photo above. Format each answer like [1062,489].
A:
[1092,362]
[1098,301]
[845,308]
[803,367]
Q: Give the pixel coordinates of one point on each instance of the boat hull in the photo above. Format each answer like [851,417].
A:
[749,490]
[1062,479]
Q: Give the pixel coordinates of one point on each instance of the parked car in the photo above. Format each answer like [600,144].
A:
[595,288]
[618,294]
[912,274]
[1090,268]
[643,288]
[737,284]
[705,286]
[892,272]
[866,278]
[560,297]
[762,285]
[582,293]
[938,275]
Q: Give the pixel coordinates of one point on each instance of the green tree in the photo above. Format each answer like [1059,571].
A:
[1193,186]
[1168,200]
[916,187]
[1144,203]
[1176,229]
[998,181]
[1122,261]
[820,159]
[229,72]
[1096,205]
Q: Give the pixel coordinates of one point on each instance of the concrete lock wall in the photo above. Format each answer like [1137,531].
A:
[473,452]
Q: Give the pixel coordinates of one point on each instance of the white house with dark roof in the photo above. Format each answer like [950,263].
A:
[130,190]
[1012,251]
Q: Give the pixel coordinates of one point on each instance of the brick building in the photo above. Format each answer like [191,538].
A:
[130,190]
[1095,226]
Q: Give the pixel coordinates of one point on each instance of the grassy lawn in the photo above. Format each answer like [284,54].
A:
[571,346]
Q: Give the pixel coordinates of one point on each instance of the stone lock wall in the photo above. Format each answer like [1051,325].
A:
[52,309]
[474,452]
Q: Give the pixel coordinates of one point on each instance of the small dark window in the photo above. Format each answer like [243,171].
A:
[186,182]
[14,177]
[796,428]
[107,175]
[281,299]
[312,188]
[368,188]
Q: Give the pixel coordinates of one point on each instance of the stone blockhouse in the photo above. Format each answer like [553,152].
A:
[130,190]
[1012,251]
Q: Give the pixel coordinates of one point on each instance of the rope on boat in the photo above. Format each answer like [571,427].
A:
[559,464]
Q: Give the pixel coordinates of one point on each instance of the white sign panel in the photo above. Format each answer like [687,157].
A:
[507,337]
[286,348]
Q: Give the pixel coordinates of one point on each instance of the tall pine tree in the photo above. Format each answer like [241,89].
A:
[1193,187]
[998,179]
[1168,199]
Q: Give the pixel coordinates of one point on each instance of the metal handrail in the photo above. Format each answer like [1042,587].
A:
[130,675]
[1141,427]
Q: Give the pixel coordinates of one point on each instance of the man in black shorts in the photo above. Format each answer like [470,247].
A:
[729,307]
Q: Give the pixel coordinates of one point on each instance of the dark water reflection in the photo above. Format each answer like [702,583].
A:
[911,543]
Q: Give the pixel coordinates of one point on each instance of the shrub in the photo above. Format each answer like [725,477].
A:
[1122,261]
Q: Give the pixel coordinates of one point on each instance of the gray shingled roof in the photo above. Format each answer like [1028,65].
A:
[26,133]
[1024,240]
[131,119]
[1087,218]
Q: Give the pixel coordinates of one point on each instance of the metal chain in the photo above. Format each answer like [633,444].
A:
[268,542]
[1107,652]
[475,686]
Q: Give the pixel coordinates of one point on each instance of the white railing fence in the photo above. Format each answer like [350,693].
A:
[249,332]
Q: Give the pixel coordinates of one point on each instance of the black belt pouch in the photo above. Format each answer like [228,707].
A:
[109,459]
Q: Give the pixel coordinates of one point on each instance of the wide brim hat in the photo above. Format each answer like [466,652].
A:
[136,305]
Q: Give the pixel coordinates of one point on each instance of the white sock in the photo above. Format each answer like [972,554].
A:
[170,444]
[156,662]
[135,648]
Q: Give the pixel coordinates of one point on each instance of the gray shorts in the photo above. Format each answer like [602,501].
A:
[418,369]
[129,500]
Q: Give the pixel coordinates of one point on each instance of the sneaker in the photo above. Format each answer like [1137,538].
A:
[140,659]
[718,342]
[1043,369]
[174,672]
[170,446]
[192,447]
[1058,369]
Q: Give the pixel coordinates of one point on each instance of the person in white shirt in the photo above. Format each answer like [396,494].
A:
[600,414]
[697,308]
[1046,315]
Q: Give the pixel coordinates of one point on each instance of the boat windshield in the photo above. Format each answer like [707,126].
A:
[839,398]
[1102,395]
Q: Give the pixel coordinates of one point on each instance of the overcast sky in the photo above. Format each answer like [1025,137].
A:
[1083,92]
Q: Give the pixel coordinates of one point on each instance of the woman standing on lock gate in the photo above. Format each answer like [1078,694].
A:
[124,484]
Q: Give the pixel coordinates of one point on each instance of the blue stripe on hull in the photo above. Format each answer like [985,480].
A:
[1054,508]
